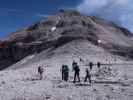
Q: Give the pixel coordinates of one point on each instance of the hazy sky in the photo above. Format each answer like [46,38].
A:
[118,11]
[17,14]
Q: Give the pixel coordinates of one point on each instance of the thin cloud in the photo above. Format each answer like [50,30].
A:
[42,15]
[119,11]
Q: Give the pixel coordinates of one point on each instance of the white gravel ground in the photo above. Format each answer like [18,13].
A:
[20,81]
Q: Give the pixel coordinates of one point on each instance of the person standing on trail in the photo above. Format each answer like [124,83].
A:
[65,72]
[98,65]
[81,60]
[88,75]
[76,72]
[91,65]
[40,72]
[62,71]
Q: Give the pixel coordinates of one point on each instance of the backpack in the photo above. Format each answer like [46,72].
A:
[74,64]
[40,69]
[76,68]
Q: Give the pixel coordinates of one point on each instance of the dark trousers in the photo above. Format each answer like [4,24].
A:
[40,75]
[65,76]
[87,77]
[76,76]
[62,75]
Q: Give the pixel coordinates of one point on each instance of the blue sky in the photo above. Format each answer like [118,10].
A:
[17,14]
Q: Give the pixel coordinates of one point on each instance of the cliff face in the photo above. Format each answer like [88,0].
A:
[62,28]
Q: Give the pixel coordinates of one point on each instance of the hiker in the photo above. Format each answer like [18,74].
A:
[62,71]
[76,74]
[98,65]
[65,72]
[88,75]
[40,72]
[81,60]
[91,65]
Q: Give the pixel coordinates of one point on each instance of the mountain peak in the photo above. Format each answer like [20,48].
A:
[69,12]
[61,29]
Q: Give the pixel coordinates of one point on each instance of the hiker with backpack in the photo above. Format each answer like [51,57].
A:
[65,72]
[40,72]
[98,65]
[91,65]
[76,70]
[88,75]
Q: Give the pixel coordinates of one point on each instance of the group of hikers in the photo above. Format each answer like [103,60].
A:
[75,67]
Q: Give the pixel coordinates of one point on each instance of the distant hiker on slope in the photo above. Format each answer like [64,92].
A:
[81,60]
[98,65]
[76,72]
[40,72]
[65,72]
[91,65]
[88,75]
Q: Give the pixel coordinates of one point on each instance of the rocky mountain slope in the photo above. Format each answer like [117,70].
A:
[51,34]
